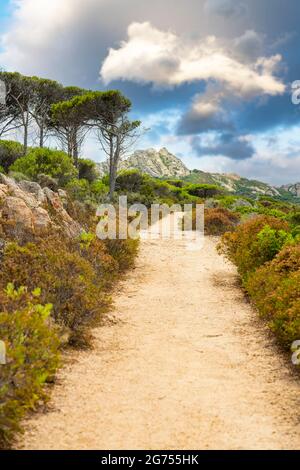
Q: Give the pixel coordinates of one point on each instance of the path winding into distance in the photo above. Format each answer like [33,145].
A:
[186,365]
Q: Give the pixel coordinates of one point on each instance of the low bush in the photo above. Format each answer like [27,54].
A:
[123,252]
[141,188]
[68,280]
[176,183]
[255,242]
[32,356]
[79,189]
[9,152]
[202,190]
[130,181]
[68,285]
[294,218]
[53,163]
[220,220]
[275,290]
[87,170]
[84,191]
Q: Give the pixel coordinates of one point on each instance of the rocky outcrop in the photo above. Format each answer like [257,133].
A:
[293,189]
[25,207]
[158,164]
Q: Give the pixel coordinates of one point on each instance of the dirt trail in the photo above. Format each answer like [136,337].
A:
[187,367]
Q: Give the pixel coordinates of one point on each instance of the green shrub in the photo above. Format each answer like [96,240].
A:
[275,290]
[176,183]
[294,218]
[271,241]
[79,189]
[202,190]
[275,213]
[252,244]
[83,191]
[99,190]
[162,189]
[68,280]
[141,188]
[53,163]
[87,170]
[227,201]
[32,356]
[9,152]
[130,181]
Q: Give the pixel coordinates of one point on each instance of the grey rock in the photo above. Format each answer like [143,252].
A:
[211,203]
[158,164]
[241,203]
[294,189]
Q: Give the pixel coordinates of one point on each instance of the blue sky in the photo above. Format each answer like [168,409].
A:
[210,78]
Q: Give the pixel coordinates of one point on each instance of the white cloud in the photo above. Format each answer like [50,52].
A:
[161,57]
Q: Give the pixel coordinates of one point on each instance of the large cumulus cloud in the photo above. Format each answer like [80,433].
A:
[166,59]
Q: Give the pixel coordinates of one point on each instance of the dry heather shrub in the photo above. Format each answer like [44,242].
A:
[275,289]
[74,283]
[251,244]
[123,252]
[31,356]
[73,275]
[220,220]
[69,280]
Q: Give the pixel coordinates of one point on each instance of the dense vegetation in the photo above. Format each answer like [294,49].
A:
[53,289]
[68,115]
[266,249]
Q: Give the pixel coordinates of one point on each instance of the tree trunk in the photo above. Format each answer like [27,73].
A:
[41,136]
[75,149]
[75,154]
[26,125]
[70,152]
[112,182]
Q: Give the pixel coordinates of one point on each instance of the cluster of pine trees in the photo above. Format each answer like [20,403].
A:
[67,114]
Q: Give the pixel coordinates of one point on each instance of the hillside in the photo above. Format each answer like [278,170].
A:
[158,164]
[293,189]
[163,164]
[243,186]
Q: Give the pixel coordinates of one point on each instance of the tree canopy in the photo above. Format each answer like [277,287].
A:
[43,107]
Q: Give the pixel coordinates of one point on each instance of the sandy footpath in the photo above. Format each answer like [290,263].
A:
[186,366]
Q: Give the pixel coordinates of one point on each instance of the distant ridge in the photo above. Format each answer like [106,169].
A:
[163,164]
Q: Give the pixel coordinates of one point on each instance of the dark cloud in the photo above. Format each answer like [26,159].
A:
[249,46]
[225,8]
[227,144]
[194,123]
